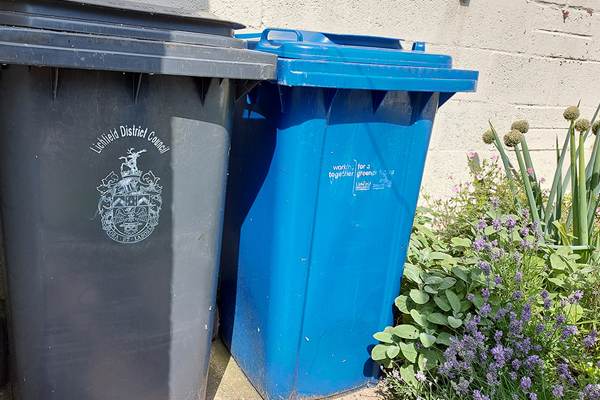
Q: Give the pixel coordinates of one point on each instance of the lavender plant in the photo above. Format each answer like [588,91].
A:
[528,328]
[524,342]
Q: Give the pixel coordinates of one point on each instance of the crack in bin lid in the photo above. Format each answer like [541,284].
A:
[318,46]
[121,18]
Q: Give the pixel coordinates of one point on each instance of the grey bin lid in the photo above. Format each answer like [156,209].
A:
[126,36]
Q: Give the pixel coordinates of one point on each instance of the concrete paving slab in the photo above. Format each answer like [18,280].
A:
[226,381]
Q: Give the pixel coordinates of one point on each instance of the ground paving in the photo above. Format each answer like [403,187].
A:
[226,381]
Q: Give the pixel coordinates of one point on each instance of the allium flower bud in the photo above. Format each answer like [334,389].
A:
[595,127]
[488,137]
[513,138]
[571,113]
[521,126]
[582,125]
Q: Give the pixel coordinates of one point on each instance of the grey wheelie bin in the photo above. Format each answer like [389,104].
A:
[114,142]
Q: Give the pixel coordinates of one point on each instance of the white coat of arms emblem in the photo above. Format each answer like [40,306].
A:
[130,206]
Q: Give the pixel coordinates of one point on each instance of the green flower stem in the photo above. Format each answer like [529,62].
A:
[527,184]
[532,177]
[583,226]
[507,165]
[555,189]
[593,175]
[557,185]
[574,191]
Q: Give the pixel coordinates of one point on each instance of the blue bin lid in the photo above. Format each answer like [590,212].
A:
[319,59]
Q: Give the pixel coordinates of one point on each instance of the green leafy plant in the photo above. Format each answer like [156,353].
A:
[573,226]
[432,302]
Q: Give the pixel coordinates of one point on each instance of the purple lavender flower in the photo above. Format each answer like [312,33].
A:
[524,245]
[485,293]
[497,336]
[564,303]
[537,347]
[547,304]
[500,313]
[524,231]
[515,326]
[517,294]
[568,331]
[498,280]
[544,293]
[535,225]
[525,383]
[485,309]
[590,339]
[497,224]
[494,201]
[478,244]
[560,319]
[539,328]
[513,375]
[485,267]
[532,361]
[477,395]
[510,224]
[517,258]
[420,376]
[557,391]
[482,224]
[490,246]
[524,346]
[516,364]
[532,396]
[564,374]
[575,297]
[471,297]
[526,313]
[525,213]
[518,276]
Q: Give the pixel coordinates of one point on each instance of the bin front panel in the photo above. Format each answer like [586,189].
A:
[319,240]
[111,213]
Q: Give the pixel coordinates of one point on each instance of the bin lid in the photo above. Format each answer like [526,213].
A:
[126,36]
[309,58]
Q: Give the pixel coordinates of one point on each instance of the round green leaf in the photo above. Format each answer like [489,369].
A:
[393,351]
[447,283]
[413,273]
[406,331]
[409,351]
[401,303]
[407,372]
[430,290]
[454,322]
[419,296]
[465,305]
[427,339]
[453,300]
[379,352]
[459,272]
[419,319]
[444,338]
[383,337]
[442,303]
[433,280]
[478,300]
[437,318]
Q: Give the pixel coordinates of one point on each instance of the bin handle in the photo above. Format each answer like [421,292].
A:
[265,35]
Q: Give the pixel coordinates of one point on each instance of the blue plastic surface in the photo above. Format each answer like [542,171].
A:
[322,190]
[358,62]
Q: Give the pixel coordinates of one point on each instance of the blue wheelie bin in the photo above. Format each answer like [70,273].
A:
[325,169]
